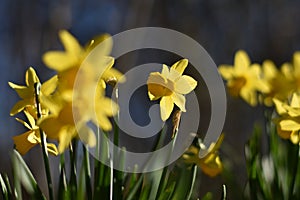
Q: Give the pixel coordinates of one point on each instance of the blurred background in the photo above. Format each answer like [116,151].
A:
[265,29]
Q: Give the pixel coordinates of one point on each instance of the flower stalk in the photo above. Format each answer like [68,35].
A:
[43,142]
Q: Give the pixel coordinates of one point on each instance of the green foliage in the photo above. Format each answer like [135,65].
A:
[275,174]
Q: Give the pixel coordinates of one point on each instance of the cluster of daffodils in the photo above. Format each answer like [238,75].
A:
[55,119]
[58,109]
[268,85]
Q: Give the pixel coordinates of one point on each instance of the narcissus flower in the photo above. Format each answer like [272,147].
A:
[29,139]
[281,86]
[82,75]
[68,62]
[211,163]
[288,122]
[27,92]
[244,79]
[171,86]
[63,129]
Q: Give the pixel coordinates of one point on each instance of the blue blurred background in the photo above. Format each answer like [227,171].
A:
[264,28]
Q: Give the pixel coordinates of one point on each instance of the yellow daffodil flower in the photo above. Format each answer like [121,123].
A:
[280,84]
[68,62]
[79,64]
[63,129]
[210,164]
[291,72]
[171,86]
[29,139]
[27,92]
[244,79]
[288,122]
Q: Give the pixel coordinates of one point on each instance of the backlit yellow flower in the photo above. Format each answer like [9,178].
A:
[29,139]
[27,92]
[288,122]
[281,86]
[171,86]
[244,79]
[291,72]
[210,164]
[63,129]
[68,62]
[81,65]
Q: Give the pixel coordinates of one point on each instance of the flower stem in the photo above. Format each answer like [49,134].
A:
[295,169]
[43,142]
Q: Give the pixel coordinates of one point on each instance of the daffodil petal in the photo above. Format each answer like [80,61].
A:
[96,40]
[293,112]
[174,75]
[226,71]
[295,102]
[287,70]
[241,61]
[49,86]
[279,106]
[152,97]
[65,136]
[24,123]
[52,149]
[70,43]
[215,146]
[296,62]
[60,61]
[23,91]
[30,77]
[249,96]
[103,122]
[30,119]
[179,100]
[269,69]
[106,106]
[289,125]
[51,126]
[22,144]
[19,106]
[165,71]
[166,107]
[185,84]
[180,66]
[113,74]
[262,86]
[212,165]
[295,137]
[87,136]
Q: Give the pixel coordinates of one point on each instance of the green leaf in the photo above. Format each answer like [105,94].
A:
[24,177]
[5,188]
[73,170]
[63,192]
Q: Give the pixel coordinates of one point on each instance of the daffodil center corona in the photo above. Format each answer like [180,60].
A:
[236,85]
[161,89]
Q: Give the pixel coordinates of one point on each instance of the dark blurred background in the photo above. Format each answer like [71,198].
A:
[264,28]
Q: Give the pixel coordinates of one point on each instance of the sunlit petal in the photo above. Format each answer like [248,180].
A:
[180,66]
[185,84]
[166,107]
[179,100]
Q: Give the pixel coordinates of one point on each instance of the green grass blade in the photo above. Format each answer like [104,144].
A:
[63,192]
[6,193]
[24,177]
[192,183]
[73,170]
